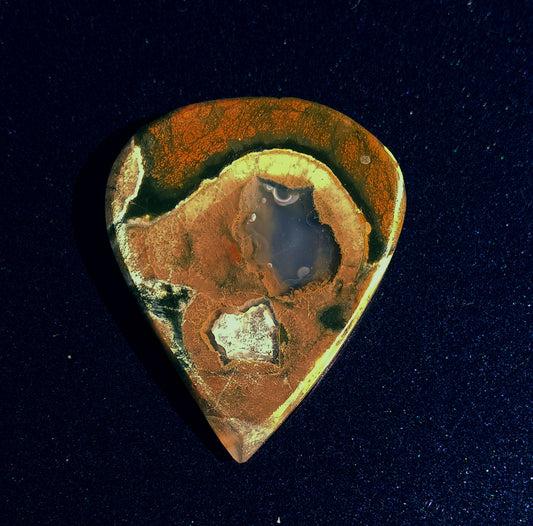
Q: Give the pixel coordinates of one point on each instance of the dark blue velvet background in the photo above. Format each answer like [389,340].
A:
[425,418]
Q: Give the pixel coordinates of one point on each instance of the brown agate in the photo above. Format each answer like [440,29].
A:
[253,233]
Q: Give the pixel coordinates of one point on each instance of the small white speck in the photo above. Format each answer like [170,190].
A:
[365,159]
[264,200]
[302,272]
[253,217]
[269,265]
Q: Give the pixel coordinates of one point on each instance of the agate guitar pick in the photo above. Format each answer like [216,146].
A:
[253,233]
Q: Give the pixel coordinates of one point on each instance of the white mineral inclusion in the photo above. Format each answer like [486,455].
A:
[250,335]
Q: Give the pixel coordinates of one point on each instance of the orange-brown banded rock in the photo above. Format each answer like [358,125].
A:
[254,233]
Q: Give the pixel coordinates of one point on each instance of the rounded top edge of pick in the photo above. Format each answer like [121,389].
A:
[197,141]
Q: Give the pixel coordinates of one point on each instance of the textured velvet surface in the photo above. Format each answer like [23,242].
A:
[425,418]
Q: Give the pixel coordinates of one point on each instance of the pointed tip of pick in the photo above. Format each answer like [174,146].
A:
[240,438]
[240,454]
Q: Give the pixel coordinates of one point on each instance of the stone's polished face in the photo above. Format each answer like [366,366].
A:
[287,235]
[253,260]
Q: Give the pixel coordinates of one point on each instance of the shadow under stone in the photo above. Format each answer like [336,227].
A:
[88,218]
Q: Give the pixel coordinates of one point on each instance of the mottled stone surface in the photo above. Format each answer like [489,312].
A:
[250,335]
[253,258]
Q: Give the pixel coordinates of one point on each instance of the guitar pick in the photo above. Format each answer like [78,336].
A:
[253,233]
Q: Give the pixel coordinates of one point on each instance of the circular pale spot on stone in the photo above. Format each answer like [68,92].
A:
[365,159]
[303,271]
